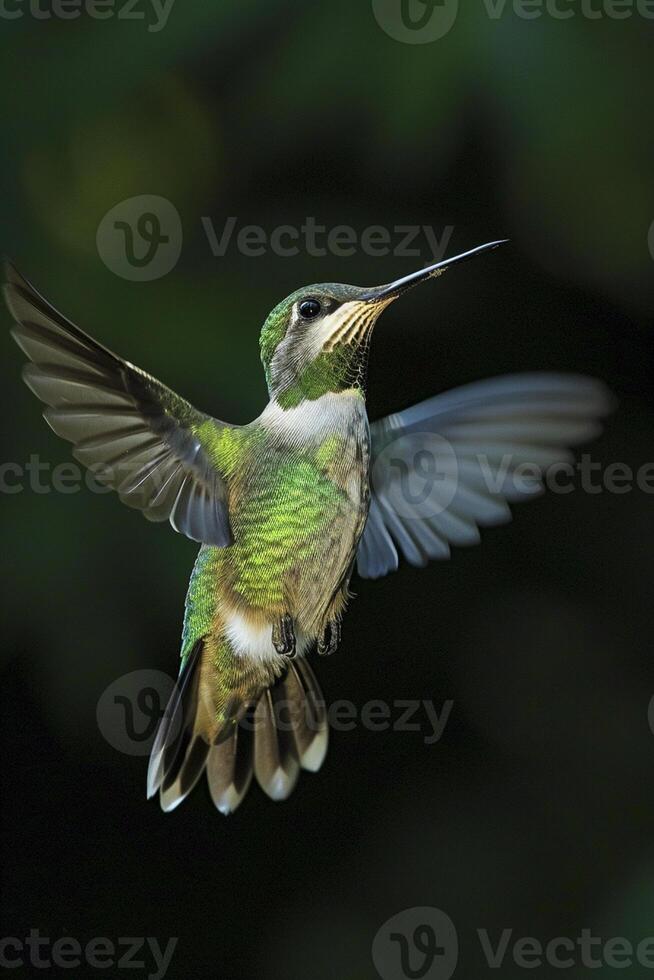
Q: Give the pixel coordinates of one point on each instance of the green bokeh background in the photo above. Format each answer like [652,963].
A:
[535,811]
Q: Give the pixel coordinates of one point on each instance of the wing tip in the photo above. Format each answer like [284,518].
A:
[14,283]
[10,273]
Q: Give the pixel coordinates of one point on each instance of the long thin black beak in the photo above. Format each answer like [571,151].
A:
[393,289]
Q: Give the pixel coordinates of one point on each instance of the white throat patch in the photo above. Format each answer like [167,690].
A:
[312,421]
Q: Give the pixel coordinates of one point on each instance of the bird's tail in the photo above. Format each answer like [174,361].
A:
[235,726]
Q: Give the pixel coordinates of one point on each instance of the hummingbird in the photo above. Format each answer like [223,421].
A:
[286,506]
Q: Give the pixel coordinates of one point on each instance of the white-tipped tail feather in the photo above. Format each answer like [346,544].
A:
[283,731]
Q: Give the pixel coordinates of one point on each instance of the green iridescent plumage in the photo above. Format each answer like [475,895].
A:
[201,599]
[281,506]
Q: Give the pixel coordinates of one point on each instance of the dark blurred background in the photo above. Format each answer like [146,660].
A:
[534,812]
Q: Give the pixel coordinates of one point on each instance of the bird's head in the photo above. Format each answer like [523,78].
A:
[316,340]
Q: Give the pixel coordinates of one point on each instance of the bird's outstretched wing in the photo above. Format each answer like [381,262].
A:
[146,442]
[444,468]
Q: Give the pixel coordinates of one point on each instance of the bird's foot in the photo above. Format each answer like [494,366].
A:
[283,636]
[330,639]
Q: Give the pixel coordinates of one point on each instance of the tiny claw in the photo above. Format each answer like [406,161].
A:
[330,639]
[283,637]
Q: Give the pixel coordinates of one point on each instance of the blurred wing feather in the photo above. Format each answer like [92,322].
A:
[139,435]
[479,435]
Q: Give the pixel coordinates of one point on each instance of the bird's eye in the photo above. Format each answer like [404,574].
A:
[309,309]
